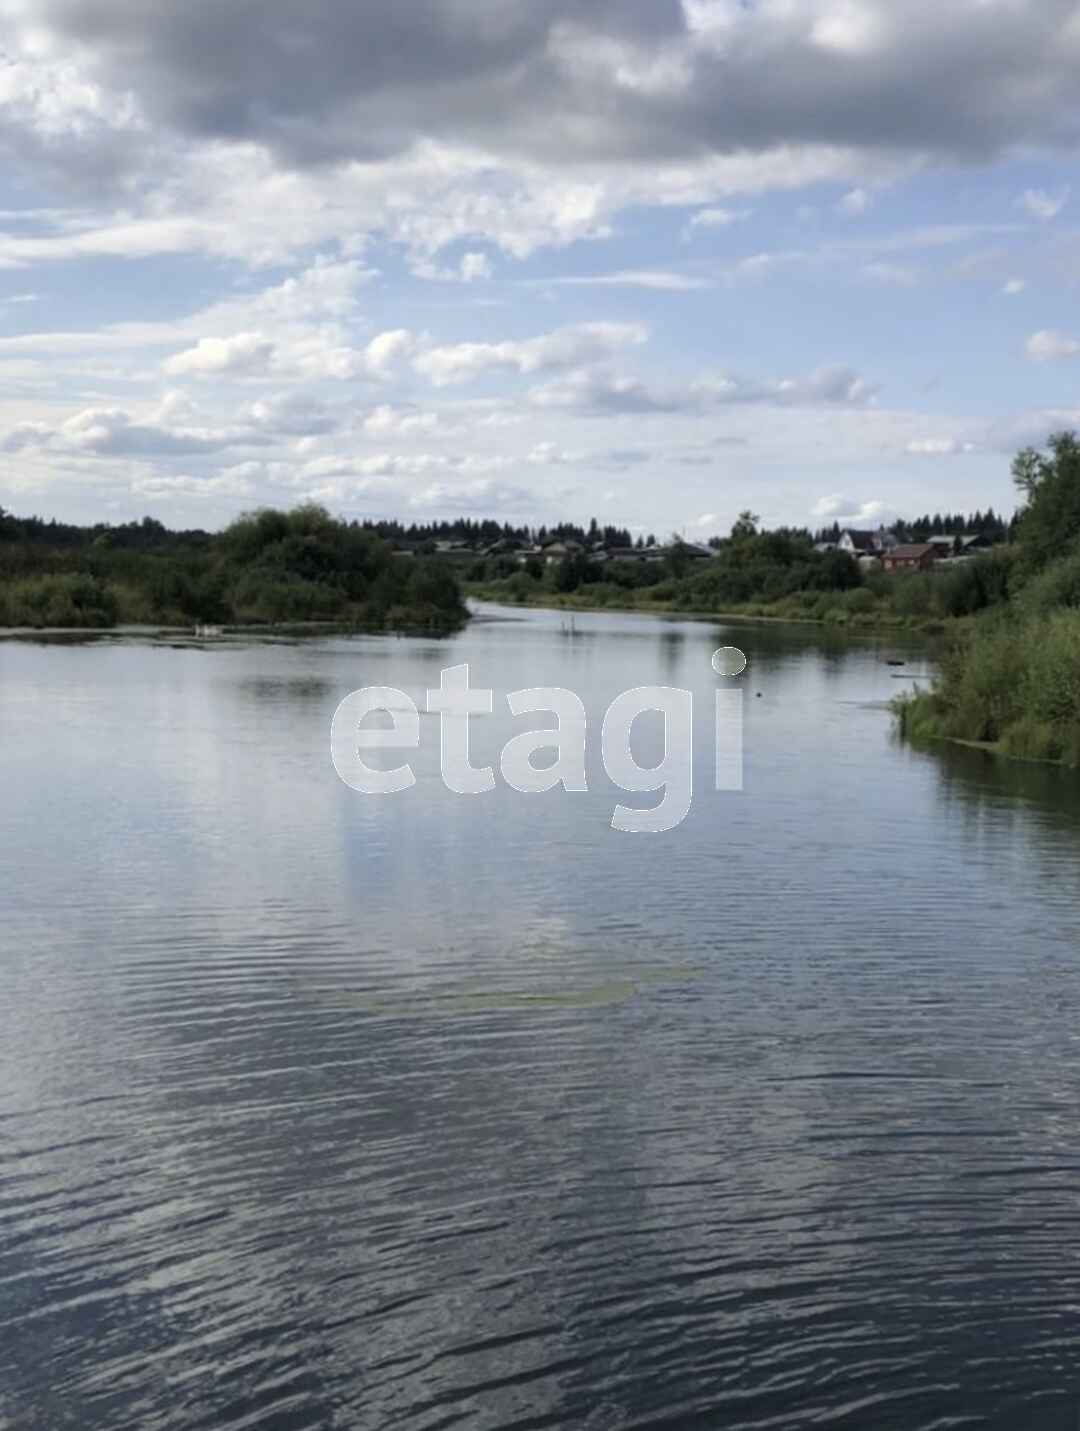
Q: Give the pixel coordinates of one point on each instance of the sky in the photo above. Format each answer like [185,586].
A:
[652,261]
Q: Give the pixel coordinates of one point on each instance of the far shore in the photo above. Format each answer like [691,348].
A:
[754,618]
[221,630]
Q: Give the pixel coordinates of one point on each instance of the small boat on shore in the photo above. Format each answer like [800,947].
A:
[205,631]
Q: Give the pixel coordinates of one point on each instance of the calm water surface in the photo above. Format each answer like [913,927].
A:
[323,1111]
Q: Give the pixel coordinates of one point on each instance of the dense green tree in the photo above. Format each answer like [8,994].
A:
[1050,484]
[746,525]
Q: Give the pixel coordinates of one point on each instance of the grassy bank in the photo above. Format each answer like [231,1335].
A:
[777,575]
[1013,685]
[1011,682]
[266,568]
[858,609]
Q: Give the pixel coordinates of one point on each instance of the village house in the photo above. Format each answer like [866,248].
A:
[914,556]
[868,544]
[857,543]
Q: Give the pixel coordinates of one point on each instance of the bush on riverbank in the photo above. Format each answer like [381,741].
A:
[1014,684]
[71,600]
[267,567]
[775,574]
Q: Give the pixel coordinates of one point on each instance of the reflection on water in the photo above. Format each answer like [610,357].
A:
[317,1110]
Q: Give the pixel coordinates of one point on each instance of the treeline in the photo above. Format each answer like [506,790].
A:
[268,566]
[147,535]
[1013,679]
[486,533]
[942,524]
[778,574]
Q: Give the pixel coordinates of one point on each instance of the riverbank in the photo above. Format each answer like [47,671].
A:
[1012,687]
[786,612]
[265,569]
[222,635]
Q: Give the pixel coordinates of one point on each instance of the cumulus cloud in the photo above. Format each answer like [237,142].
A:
[305,352]
[245,355]
[564,81]
[564,348]
[716,218]
[112,432]
[850,512]
[386,421]
[479,495]
[474,266]
[598,392]
[1048,346]
[235,482]
[829,385]
[386,350]
[294,413]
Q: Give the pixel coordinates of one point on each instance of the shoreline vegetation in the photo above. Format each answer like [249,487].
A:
[1010,682]
[266,569]
[838,579]
[785,612]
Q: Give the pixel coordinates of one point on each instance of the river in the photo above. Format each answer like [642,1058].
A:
[319,1109]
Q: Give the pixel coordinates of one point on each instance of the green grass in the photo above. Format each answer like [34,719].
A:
[1012,684]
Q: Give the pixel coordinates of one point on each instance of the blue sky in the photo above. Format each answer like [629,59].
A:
[653,262]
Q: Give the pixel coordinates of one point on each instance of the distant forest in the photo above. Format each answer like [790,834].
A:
[304,565]
[151,535]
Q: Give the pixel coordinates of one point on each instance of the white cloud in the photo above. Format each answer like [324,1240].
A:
[850,512]
[301,352]
[386,421]
[462,362]
[1048,346]
[661,280]
[1041,205]
[386,350]
[244,355]
[294,413]
[112,432]
[597,392]
[232,483]
[938,447]
[482,495]
[475,266]
[855,203]
[714,218]
[1013,287]
[550,454]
